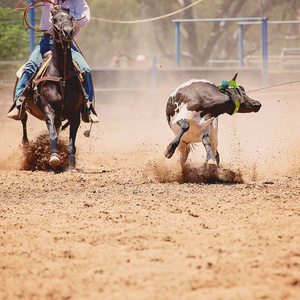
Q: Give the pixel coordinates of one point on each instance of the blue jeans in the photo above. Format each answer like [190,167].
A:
[36,59]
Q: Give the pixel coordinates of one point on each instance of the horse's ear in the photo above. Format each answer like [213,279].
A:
[53,10]
[235,76]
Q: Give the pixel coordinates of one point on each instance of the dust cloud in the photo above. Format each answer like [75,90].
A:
[133,133]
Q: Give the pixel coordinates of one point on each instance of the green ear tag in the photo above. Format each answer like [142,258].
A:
[233,84]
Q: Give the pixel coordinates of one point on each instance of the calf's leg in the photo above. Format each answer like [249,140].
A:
[184,150]
[210,157]
[213,137]
[184,126]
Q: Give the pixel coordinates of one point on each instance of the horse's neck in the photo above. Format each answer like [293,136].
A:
[60,60]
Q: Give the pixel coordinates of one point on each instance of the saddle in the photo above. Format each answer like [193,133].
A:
[39,77]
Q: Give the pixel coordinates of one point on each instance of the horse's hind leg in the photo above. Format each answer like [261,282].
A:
[24,124]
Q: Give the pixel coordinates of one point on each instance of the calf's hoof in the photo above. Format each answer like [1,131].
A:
[212,163]
[168,153]
[170,150]
[55,160]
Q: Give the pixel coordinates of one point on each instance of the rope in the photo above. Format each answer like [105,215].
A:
[32,5]
[148,20]
[275,85]
[36,3]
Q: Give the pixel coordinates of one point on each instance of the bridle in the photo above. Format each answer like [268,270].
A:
[60,33]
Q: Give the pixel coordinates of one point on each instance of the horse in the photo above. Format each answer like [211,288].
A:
[58,94]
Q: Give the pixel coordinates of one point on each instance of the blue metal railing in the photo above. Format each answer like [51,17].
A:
[31,21]
[263,22]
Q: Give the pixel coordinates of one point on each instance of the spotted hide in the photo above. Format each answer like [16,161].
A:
[192,111]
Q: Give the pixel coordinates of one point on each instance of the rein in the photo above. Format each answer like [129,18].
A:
[57,79]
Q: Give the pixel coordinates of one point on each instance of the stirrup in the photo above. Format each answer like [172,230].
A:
[93,118]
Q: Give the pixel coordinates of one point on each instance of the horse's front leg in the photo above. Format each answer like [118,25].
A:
[74,124]
[54,159]
[24,125]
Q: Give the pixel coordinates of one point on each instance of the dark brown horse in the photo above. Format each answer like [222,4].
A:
[58,95]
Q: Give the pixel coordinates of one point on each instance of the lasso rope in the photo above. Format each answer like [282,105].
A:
[26,23]
[36,3]
[271,86]
[148,20]
[32,5]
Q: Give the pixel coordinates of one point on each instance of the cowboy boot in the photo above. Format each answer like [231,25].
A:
[92,113]
[17,109]
[88,112]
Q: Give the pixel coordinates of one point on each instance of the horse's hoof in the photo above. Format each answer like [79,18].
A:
[74,170]
[55,160]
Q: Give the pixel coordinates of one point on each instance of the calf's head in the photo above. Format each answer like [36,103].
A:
[247,104]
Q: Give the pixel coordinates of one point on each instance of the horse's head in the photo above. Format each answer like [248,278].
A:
[62,26]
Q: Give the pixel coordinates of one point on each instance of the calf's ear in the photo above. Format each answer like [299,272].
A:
[235,76]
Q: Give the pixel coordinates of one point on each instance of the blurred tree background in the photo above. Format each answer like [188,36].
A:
[200,42]
[14,41]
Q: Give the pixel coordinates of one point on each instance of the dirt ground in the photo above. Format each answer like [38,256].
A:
[133,226]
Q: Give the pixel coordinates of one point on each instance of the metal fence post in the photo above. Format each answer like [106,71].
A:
[264,28]
[241,46]
[154,85]
[31,21]
[177,44]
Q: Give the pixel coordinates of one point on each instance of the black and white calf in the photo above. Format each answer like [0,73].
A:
[192,111]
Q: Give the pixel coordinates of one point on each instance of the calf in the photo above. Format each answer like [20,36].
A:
[192,111]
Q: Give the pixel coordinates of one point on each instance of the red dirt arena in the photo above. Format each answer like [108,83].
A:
[133,226]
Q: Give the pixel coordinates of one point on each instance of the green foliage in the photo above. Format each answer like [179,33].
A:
[14,41]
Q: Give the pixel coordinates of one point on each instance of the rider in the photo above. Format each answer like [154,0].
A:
[80,10]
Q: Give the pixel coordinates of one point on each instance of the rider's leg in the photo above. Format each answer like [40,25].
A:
[87,80]
[30,68]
